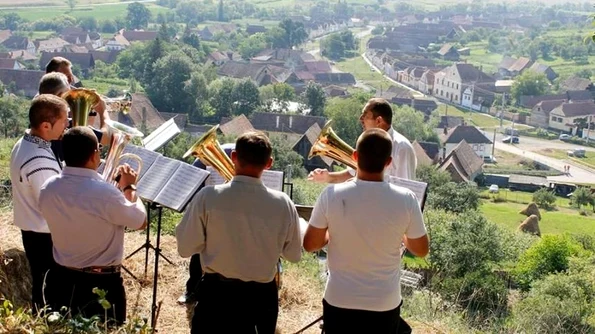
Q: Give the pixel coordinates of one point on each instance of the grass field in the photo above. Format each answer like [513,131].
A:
[473,118]
[364,73]
[552,222]
[104,85]
[102,12]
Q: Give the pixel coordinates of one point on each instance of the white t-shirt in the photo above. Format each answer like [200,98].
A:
[404,159]
[366,222]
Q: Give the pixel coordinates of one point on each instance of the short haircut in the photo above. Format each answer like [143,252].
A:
[374,148]
[46,108]
[380,107]
[78,146]
[253,148]
[52,83]
[55,63]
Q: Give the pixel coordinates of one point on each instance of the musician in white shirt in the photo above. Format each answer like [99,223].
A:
[377,113]
[363,222]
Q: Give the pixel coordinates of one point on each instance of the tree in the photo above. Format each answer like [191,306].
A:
[529,83]
[220,14]
[345,115]
[138,16]
[279,93]
[413,125]
[246,97]
[294,33]
[284,156]
[171,73]
[315,98]
[163,33]
[221,96]
[454,197]
[88,23]
[71,4]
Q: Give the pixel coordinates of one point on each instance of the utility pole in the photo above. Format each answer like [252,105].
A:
[494,144]
[502,110]
[589,127]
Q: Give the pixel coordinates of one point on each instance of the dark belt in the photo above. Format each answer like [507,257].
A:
[221,278]
[98,270]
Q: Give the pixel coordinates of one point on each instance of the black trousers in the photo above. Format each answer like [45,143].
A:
[74,289]
[195,270]
[39,252]
[341,320]
[245,307]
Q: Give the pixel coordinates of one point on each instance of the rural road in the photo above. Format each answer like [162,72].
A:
[577,174]
[535,144]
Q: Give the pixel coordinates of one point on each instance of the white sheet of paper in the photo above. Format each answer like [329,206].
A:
[417,187]
[270,178]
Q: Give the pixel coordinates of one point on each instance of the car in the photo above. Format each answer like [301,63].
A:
[564,137]
[494,188]
[511,139]
[578,152]
[490,159]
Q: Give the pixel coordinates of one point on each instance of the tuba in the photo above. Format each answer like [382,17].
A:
[120,137]
[330,145]
[82,100]
[209,151]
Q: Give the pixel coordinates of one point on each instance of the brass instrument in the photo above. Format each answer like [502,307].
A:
[120,136]
[330,145]
[82,100]
[209,151]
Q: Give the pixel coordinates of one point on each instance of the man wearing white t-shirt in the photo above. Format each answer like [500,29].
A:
[364,221]
[378,114]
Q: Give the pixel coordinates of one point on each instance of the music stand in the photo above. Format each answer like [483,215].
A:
[162,135]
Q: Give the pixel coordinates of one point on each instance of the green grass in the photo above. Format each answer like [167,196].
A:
[364,73]
[587,161]
[104,12]
[522,197]
[552,222]
[104,85]
[473,118]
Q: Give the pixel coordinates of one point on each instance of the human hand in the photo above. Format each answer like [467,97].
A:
[319,175]
[127,176]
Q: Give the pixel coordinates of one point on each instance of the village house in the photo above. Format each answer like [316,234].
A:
[24,80]
[84,61]
[142,115]
[451,83]
[549,73]
[565,116]
[481,145]
[14,43]
[540,114]
[209,32]
[511,67]
[4,35]
[449,52]
[478,97]
[462,163]
[12,64]
[50,45]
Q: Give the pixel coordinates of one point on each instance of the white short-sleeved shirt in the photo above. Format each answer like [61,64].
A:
[87,217]
[404,160]
[32,162]
[366,222]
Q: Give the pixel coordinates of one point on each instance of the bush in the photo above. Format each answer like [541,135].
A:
[481,293]
[454,197]
[549,255]
[463,243]
[544,199]
[433,176]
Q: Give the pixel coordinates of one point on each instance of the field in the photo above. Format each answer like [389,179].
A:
[100,12]
[473,118]
[552,222]
[364,73]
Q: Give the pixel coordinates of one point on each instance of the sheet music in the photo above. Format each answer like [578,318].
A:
[273,179]
[181,186]
[156,177]
[161,135]
[418,188]
[148,157]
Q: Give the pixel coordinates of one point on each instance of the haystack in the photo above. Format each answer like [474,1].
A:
[531,209]
[15,277]
[531,225]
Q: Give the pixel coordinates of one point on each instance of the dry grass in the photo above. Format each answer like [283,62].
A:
[300,297]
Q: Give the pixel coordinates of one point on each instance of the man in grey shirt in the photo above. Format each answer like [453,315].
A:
[240,229]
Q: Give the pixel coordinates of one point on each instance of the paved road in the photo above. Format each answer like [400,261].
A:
[536,144]
[415,92]
[578,174]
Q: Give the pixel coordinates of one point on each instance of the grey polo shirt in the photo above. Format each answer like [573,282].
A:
[240,229]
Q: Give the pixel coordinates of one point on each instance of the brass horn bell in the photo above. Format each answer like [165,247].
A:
[330,145]
[209,151]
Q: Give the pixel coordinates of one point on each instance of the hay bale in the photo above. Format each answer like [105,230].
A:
[531,209]
[15,277]
[531,225]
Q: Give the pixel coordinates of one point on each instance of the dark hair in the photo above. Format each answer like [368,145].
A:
[46,108]
[380,107]
[374,148]
[52,83]
[55,63]
[253,148]
[78,146]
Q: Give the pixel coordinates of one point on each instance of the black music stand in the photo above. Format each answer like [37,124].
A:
[163,183]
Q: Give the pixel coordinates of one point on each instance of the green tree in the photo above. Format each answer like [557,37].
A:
[582,196]
[433,176]
[246,97]
[171,74]
[529,83]
[315,98]
[294,33]
[454,197]
[71,4]
[221,96]
[284,156]
[545,199]
[413,125]
[220,14]
[345,114]
[138,16]
[279,93]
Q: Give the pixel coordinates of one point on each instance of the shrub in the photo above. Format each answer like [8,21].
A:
[549,255]
[431,175]
[454,197]
[544,199]
[481,293]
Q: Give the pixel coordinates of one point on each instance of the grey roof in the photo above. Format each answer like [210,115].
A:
[549,105]
[464,160]
[450,121]
[520,64]
[431,149]
[276,122]
[335,78]
[25,80]
[470,73]
[576,83]
[506,62]
[576,109]
[468,133]
[84,60]
[525,179]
